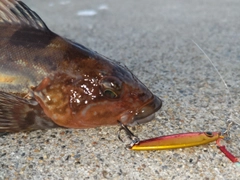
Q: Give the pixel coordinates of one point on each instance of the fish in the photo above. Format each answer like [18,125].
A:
[48,81]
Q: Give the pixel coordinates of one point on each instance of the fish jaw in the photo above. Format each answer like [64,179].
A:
[142,111]
[147,112]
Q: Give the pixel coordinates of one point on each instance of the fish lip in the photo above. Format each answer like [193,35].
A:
[147,112]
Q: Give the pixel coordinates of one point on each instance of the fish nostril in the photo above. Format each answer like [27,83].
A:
[144,96]
[141,96]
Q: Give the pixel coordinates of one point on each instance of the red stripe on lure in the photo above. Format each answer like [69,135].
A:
[175,141]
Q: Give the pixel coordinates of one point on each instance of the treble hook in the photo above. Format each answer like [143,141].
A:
[134,139]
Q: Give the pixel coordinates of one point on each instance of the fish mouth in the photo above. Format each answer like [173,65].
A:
[147,112]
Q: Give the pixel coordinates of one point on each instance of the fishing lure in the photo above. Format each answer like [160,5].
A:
[173,141]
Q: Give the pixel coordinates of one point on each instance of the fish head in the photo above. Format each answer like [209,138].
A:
[125,98]
[97,92]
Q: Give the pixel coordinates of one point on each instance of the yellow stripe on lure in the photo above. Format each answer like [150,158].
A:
[175,141]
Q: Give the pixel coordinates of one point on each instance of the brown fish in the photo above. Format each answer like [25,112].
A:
[48,81]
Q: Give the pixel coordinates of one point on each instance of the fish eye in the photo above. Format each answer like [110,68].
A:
[111,87]
[110,94]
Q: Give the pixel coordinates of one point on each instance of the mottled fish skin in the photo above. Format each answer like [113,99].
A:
[59,82]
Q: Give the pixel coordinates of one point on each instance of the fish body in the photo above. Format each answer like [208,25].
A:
[48,81]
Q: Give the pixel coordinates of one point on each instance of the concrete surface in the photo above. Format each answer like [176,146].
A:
[154,39]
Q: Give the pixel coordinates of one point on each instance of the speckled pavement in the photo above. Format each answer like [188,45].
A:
[155,40]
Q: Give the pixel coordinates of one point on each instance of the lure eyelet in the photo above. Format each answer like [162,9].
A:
[209,134]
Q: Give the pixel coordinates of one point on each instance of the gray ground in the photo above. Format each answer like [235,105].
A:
[154,39]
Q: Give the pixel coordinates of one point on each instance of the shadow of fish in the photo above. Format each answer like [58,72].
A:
[47,81]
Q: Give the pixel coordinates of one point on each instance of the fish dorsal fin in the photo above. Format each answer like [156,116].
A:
[14,12]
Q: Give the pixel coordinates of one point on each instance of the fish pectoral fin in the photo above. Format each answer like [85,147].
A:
[14,113]
[17,13]
[19,114]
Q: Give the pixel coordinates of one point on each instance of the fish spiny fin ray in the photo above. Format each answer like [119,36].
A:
[14,12]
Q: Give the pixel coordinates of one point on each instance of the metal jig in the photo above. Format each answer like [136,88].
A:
[175,141]
[181,140]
